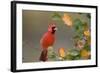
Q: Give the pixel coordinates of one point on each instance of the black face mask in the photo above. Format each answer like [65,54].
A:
[53,31]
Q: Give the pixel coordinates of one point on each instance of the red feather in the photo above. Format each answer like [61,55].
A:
[47,40]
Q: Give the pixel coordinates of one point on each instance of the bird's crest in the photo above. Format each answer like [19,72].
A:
[52,24]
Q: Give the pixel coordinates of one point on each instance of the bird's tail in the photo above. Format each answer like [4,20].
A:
[43,56]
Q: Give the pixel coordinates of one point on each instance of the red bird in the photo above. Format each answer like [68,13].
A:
[47,40]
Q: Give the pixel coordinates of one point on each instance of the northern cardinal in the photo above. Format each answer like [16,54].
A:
[47,40]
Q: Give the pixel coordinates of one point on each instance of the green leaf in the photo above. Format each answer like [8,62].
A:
[56,16]
[69,57]
[74,52]
[87,47]
[77,57]
[51,53]
[88,15]
[78,26]
[77,22]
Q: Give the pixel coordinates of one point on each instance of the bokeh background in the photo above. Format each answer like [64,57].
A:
[35,24]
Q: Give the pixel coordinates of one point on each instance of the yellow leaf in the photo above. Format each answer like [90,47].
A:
[85,54]
[67,19]
[87,33]
[61,52]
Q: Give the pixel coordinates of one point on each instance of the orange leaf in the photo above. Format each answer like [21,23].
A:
[67,19]
[62,52]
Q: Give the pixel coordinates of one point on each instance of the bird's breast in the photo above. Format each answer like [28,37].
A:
[47,40]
